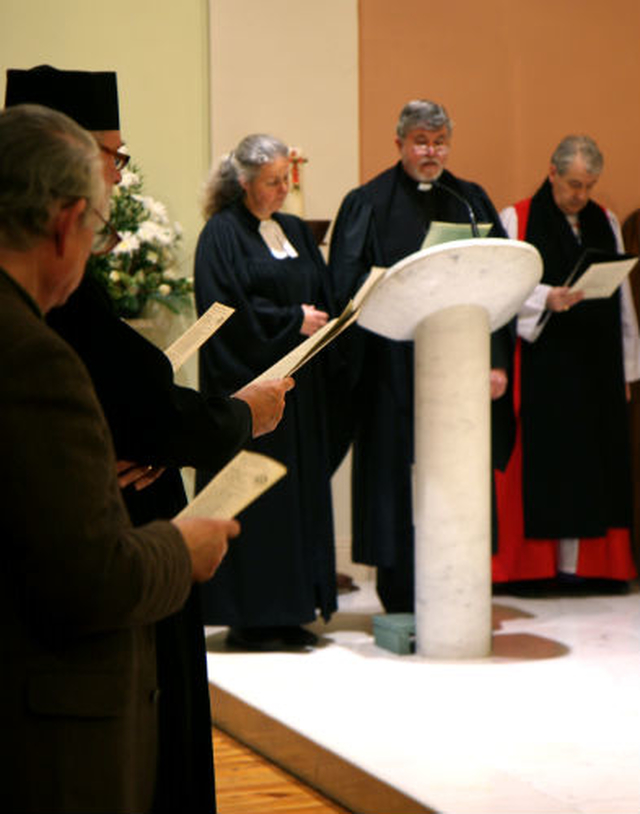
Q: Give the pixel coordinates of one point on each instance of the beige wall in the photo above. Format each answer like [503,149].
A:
[159,49]
[289,68]
[516,77]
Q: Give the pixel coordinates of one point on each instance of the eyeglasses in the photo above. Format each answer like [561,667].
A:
[120,159]
[438,148]
[106,239]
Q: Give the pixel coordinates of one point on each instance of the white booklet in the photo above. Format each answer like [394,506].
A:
[239,483]
[597,274]
[601,279]
[442,232]
[195,336]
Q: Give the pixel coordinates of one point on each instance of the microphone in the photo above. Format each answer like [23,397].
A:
[472,217]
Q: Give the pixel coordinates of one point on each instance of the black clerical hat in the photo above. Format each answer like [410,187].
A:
[88,97]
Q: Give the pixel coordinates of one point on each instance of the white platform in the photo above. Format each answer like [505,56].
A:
[549,723]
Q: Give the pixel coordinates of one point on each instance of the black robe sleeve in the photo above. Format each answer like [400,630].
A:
[354,247]
[152,420]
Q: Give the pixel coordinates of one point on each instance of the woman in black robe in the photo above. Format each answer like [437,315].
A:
[267,266]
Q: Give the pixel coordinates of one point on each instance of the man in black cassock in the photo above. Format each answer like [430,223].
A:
[378,224]
[157,427]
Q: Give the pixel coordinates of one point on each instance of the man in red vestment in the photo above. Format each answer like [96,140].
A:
[565,501]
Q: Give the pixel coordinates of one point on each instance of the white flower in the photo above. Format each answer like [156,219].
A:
[167,238]
[129,179]
[144,263]
[157,210]
[150,232]
[129,244]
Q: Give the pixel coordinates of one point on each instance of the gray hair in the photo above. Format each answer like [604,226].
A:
[223,186]
[46,159]
[422,113]
[572,146]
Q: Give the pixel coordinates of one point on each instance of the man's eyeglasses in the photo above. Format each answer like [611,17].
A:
[438,147]
[120,159]
[106,239]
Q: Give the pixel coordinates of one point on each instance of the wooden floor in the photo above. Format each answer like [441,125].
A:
[246,783]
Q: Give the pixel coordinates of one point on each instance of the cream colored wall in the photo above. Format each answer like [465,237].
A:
[159,49]
[290,68]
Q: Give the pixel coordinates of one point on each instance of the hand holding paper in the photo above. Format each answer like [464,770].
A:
[596,274]
[601,279]
[562,298]
[306,350]
[266,400]
[206,538]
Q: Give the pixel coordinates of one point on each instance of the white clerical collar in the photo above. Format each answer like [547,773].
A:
[425,186]
[574,223]
[276,240]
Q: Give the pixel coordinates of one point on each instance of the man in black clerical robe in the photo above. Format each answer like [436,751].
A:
[378,224]
[153,422]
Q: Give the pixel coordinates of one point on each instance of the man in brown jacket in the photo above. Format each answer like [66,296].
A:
[80,588]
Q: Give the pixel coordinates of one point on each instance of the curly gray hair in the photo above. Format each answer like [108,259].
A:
[244,163]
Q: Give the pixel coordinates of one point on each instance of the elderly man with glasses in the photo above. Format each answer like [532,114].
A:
[157,427]
[81,588]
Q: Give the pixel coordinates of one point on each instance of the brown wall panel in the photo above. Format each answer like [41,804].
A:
[516,77]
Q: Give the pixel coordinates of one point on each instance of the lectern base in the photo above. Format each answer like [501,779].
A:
[453,484]
[447,299]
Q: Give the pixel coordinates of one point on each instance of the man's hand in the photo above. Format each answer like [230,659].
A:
[498,383]
[312,320]
[561,298]
[136,474]
[207,541]
[266,400]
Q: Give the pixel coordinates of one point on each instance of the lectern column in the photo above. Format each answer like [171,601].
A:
[452,484]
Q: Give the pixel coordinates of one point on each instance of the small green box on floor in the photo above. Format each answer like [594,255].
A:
[395,632]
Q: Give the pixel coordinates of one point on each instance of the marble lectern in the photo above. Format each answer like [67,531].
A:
[448,299]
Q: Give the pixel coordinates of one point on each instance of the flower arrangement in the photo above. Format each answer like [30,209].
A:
[142,266]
